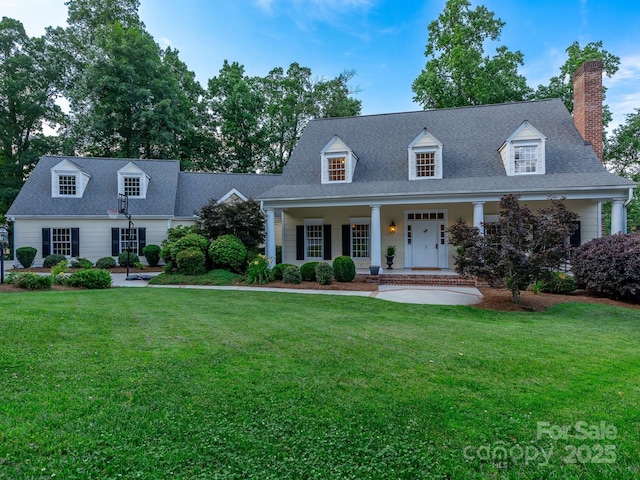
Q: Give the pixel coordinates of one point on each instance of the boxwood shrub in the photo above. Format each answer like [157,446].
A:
[308,271]
[26,256]
[291,275]
[106,263]
[152,254]
[344,270]
[53,260]
[94,278]
[228,252]
[131,257]
[324,273]
[610,266]
[191,261]
[278,269]
[30,281]
[81,263]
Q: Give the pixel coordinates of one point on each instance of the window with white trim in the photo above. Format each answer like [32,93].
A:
[360,240]
[525,159]
[314,241]
[67,185]
[129,240]
[425,157]
[338,162]
[425,164]
[61,241]
[131,186]
[336,168]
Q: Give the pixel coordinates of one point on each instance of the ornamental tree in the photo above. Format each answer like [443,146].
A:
[520,248]
[243,220]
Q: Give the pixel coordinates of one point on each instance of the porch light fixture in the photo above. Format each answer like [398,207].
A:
[392,227]
[4,240]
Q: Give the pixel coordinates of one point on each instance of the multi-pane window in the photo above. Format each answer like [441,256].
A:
[526,159]
[425,164]
[131,186]
[360,240]
[61,241]
[313,241]
[67,185]
[129,241]
[337,169]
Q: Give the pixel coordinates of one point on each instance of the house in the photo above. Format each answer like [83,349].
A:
[63,206]
[352,186]
[356,185]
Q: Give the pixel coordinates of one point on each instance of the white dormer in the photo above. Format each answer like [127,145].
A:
[132,181]
[68,180]
[425,157]
[338,162]
[523,153]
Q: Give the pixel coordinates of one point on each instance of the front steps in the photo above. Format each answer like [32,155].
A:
[425,280]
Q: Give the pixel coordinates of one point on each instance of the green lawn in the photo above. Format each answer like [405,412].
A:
[155,383]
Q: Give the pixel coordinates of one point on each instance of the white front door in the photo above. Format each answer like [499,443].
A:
[426,244]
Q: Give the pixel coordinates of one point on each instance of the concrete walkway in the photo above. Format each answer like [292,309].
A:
[393,293]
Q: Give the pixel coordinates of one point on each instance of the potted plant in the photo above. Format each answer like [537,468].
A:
[391,253]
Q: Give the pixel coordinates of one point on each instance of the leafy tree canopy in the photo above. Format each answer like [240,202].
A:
[458,72]
[243,220]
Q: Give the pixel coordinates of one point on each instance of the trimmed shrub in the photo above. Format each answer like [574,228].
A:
[308,271]
[278,269]
[26,256]
[191,261]
[344,270]
[130,257]
[324,273]
[291,275]
[191,240]
[82,263]
[228,252]
[559,282]
[169,267]
[106,263]
[90,278]
[53,260]
[610,266]
[31,281]
[152,254]
[258,271]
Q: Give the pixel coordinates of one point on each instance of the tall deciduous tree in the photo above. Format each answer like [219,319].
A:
[238,105]
[524,247]
[242,219]
[458,72]
[561,86]
[29,85]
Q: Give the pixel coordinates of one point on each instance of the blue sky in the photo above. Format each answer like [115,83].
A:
[383,40]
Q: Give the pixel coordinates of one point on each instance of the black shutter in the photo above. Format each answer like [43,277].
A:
[574,240]
[115,242]
[346,240]
[142,240]
[327,242]
[75,242]
[299,242]
[46,242]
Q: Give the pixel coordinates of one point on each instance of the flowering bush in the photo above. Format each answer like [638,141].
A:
[258,271]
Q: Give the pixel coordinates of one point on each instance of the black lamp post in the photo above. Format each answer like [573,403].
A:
[4,240]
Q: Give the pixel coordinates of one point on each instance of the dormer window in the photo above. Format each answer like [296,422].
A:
[338,162]
[425,157]
[68,180]
[132,181]
[523,153]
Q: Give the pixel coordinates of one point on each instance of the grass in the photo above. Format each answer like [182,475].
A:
[150,383]
[212,277]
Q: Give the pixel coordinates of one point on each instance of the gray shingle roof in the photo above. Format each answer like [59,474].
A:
[101,192]
[471,162]
[195,189]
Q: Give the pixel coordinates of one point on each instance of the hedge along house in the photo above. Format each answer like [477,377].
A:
[62,208]
[356,185]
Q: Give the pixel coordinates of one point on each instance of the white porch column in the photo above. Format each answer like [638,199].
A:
[617,216]
[376,250]
[478,215]
[270,246]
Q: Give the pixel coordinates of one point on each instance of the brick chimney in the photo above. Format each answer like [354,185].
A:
[587,103]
